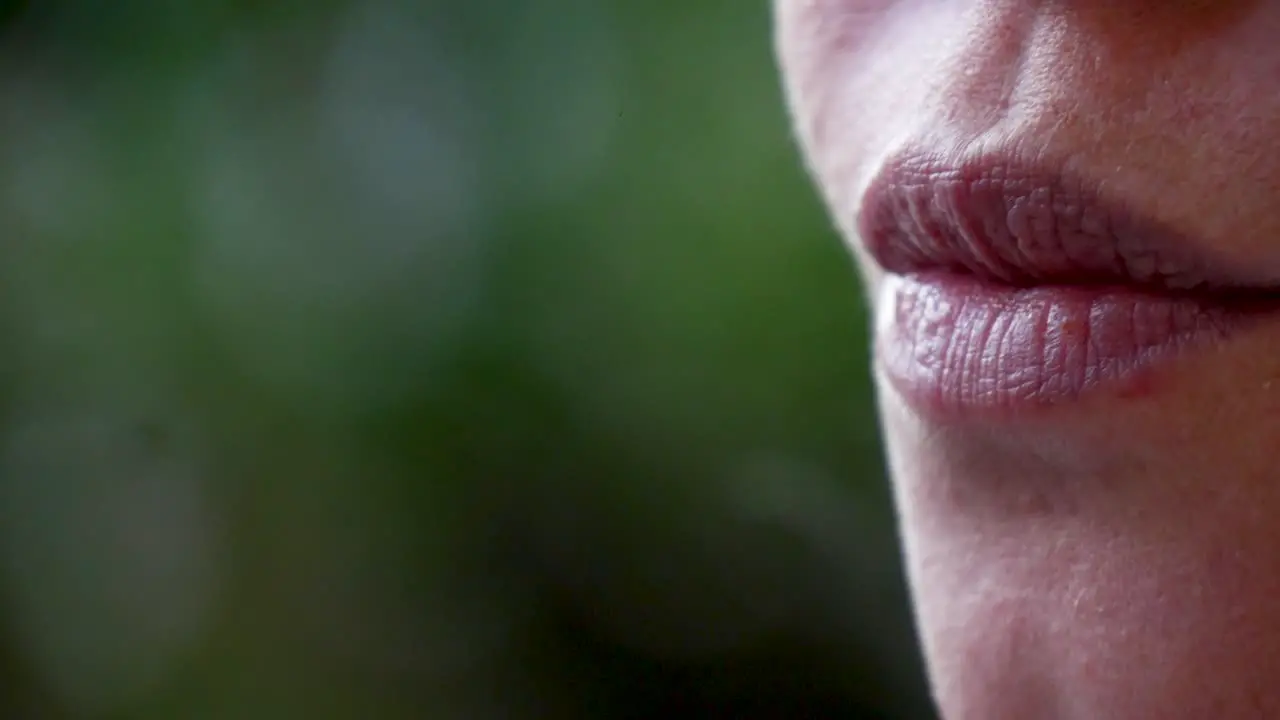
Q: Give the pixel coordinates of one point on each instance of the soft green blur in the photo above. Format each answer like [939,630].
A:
[488,359]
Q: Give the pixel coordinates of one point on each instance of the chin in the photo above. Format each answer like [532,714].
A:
[1051,583]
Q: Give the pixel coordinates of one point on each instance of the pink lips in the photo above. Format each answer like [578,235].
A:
[1011,288]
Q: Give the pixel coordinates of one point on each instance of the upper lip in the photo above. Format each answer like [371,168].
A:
[1023,225]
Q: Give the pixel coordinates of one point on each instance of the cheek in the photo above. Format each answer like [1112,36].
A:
[827,48]
[836,58]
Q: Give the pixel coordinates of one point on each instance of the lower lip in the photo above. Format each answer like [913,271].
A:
[954,343]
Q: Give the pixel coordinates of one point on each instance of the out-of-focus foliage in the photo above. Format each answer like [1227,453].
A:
[454,360]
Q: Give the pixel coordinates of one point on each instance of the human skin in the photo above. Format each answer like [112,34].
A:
[1116,555]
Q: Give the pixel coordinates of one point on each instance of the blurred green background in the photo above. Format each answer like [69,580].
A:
[487,359]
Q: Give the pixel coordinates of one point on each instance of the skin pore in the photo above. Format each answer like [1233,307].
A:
[1118,555]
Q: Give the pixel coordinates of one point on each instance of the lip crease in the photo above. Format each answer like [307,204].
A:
[1012,287]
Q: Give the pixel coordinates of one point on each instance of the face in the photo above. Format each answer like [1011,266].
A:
[1067,217]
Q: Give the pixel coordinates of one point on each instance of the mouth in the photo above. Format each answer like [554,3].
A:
[1009,287]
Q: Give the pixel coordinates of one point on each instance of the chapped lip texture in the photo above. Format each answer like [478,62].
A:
[1011,287]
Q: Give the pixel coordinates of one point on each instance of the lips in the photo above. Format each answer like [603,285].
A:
[1010,287]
